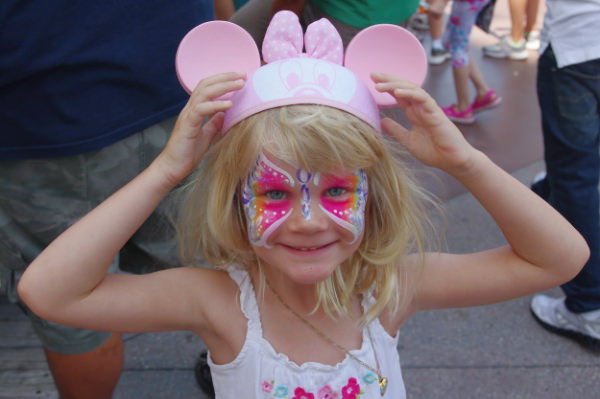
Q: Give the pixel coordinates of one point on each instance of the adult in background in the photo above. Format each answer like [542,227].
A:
[348,16]
[568,85]
[87,94]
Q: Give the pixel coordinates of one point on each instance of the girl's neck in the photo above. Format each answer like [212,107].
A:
[301,297]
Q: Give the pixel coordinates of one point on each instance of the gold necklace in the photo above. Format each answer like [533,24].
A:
[383,381]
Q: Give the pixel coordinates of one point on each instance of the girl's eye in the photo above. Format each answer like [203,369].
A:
[276,195]
[336,191]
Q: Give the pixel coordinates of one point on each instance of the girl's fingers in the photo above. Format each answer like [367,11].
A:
[218,85]
[214,125]
[395,130]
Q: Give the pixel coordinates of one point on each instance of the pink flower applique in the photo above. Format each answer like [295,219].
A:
[327,393]
[352,390]
[300,393]
[267,386]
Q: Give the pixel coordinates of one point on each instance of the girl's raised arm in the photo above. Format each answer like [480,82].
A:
[543,249]
[67,282]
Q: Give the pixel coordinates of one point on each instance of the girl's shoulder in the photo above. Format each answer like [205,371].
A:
[224,325]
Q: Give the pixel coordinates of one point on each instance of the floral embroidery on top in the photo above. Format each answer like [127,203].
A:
[300,393]
[281,392]
[369,378]
[327,393]
[351,390]
[268,386]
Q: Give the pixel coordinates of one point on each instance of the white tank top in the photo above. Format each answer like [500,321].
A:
[260,372]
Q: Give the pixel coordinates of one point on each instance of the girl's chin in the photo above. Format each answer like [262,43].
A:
[310,275]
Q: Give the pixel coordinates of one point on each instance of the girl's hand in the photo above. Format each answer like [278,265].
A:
[191,136]
[434,140]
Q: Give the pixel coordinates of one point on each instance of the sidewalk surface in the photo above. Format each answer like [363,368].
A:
[496,351]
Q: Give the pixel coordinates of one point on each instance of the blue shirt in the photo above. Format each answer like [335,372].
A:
[78,75]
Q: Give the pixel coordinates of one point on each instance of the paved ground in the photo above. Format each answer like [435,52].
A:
[495,351]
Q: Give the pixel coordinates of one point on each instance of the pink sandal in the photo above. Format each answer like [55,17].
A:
[490,100]
[465,116]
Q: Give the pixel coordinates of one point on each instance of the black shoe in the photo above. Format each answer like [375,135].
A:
[203,377]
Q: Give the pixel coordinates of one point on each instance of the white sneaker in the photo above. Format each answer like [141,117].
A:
[505,48]
[552,314]
[532,40]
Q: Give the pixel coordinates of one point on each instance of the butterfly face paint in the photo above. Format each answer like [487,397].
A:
[348,208]
[264,216]
[270,192]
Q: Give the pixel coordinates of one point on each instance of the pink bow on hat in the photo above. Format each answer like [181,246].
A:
[284,40]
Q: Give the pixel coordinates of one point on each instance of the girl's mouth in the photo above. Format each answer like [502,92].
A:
[308,249]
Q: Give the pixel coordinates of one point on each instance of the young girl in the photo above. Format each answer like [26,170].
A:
[464,67]
[313,226]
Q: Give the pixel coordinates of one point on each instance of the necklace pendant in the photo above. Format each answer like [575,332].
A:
[382,385]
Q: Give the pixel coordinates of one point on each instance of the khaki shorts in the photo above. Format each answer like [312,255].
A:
[40,198]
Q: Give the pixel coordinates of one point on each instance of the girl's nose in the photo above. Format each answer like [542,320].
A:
[308,218]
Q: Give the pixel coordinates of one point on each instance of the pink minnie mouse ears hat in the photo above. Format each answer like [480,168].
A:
[321,75]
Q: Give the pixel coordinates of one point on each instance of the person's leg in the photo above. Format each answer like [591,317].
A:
[517,20]
[461,84]
[39,199]
[476,77]
[531,11]
[457,37]
[438,54]
[436,26]
[569,100]
[513,45]
[92,375]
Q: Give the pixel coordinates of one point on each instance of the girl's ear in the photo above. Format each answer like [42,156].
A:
[387,49]
[214,47]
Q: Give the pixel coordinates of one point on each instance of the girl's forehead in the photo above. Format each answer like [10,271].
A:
[276,166]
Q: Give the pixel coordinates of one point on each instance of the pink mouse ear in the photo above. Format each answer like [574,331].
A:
[214,47]
[388,49]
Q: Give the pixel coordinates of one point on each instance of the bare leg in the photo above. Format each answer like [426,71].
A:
[531,12]
[461,84]
[517,16]
[462,76]
[476,77]
[436,25]
[436,18]
[90,375]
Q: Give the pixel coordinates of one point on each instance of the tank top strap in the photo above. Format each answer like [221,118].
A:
[368,301]
[248,303]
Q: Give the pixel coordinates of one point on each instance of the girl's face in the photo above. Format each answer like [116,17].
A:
[298,218]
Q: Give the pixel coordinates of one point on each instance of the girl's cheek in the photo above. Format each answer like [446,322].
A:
[348,215]
[264,218]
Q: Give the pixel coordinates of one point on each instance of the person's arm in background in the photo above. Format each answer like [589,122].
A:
[224,9]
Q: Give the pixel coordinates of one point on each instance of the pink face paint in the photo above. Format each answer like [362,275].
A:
[348,209]
[264,214]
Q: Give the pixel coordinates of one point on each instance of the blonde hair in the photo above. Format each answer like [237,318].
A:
[212,223]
